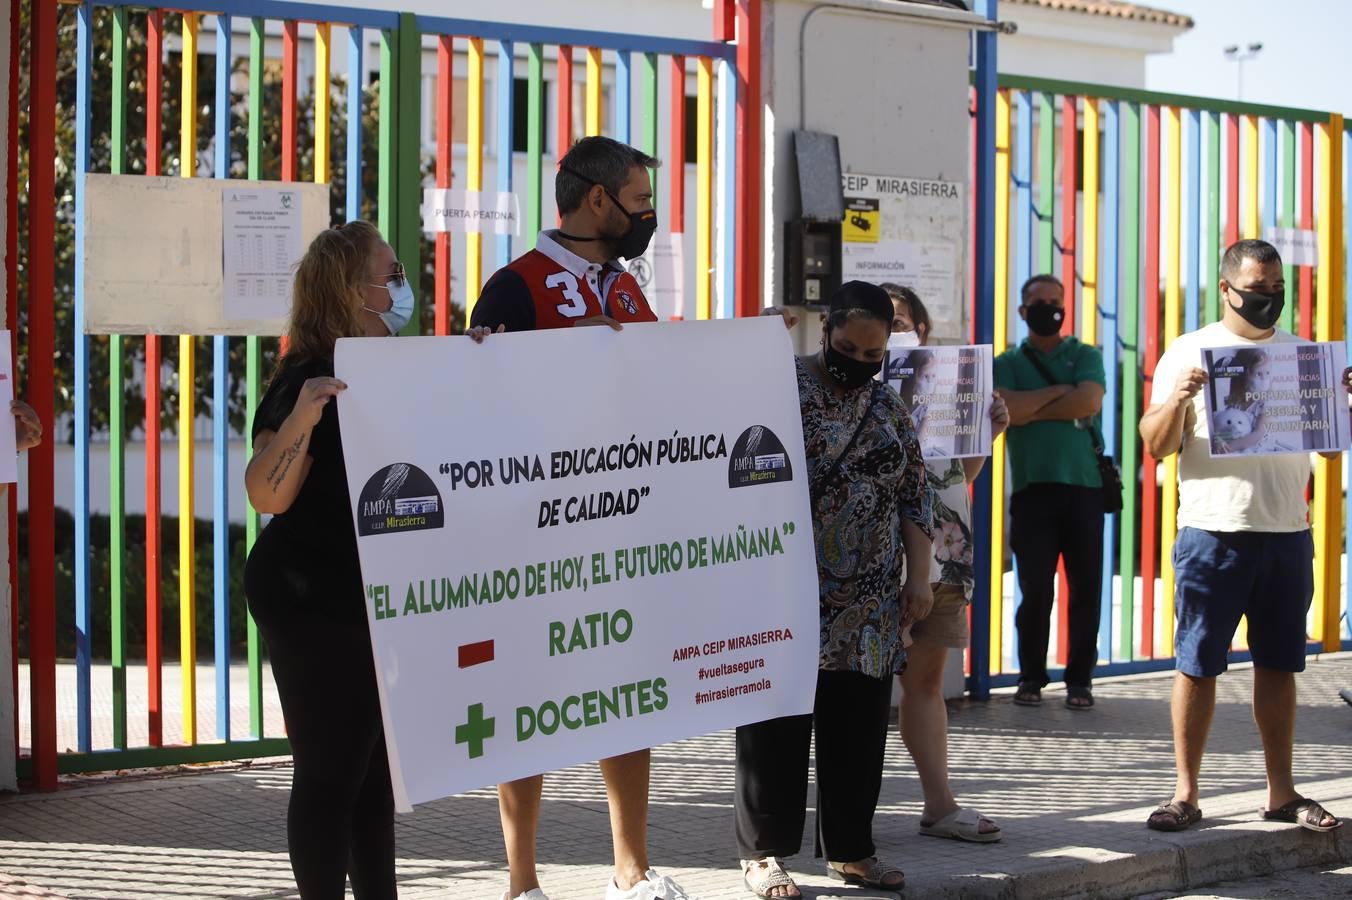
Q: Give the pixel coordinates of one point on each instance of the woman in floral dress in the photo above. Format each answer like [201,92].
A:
[871,504]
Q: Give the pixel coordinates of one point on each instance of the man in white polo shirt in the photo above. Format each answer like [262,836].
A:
[1243,549]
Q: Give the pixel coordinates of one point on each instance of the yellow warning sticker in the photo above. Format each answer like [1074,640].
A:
[863,220]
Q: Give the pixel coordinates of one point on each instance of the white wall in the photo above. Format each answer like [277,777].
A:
[893,89]
[1073,46]
[8,780]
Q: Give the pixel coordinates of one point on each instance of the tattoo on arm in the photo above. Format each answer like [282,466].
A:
[283,464]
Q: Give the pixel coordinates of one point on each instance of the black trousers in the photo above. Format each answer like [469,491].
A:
[851,724]
[340,821]
[1049,521]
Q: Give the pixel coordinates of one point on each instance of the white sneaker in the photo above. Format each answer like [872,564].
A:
[532,894]
[654,887]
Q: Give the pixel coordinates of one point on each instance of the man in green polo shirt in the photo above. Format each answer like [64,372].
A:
[1057,504]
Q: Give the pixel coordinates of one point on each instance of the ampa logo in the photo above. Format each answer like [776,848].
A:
[758,457]
[400,497]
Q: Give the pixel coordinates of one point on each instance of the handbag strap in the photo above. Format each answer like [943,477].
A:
[1095,434]
[839,460]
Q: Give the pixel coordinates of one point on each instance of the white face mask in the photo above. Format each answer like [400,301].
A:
[905,339]
[401,305]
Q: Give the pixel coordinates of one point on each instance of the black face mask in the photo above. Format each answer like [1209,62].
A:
[1044,319]
[1258,309]
[633,242]
[848,372]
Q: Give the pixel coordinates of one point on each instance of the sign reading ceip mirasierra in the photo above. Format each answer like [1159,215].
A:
[578,543]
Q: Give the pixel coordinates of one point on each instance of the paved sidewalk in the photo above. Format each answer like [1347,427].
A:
[1071,789]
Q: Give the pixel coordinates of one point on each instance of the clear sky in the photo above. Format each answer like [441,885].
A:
[1306,60]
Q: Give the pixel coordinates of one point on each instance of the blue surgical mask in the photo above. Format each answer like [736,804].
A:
[401,305]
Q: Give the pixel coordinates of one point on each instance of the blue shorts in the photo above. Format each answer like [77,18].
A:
[1222,575]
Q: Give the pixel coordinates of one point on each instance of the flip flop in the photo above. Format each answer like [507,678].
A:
[962,824]
[1083,695]
[1028,694]
[1175,815]
[1303,812]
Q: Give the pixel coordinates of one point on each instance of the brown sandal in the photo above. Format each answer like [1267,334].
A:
[1303,812]
[1175,815]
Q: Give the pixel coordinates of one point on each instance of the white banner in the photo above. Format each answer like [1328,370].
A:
[487,212]
[1276,398]
[561,566]
[948,391]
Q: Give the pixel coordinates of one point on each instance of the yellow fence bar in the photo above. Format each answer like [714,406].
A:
[1251,169]
[474,168]
[323,54]
[1328,510]
[593,120]
[1001,320]
[704,191]
[187,414]
[1089,240]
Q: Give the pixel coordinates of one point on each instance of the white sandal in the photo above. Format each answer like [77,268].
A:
[771,874]
[963,824]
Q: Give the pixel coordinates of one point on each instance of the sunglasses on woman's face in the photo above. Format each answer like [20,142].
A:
[396,275]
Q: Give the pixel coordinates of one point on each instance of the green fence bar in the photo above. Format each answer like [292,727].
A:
[647,68]
[1211,262]
[252,369]
[1129,328]
[1288,214]
[535,125]
[1046,187]
[117,506]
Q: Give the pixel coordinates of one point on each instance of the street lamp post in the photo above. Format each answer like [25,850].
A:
[1240,56]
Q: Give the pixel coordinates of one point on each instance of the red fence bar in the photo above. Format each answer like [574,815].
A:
[750,159]
[1069,169]
[289,41]
[42,389]
[1231,178]
[445,64]
[1307,223]
[1151,355]
[154,640]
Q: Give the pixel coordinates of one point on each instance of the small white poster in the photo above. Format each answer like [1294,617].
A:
[9,456]
[911,232]
[660,272]
[261,244]
[948,391]
[485,212]
[561,587]
[1297,246]
[1276,398]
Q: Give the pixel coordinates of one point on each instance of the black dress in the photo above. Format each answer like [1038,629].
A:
[304,589]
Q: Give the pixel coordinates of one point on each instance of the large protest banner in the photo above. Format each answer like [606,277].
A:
[1276,398]
[948,391]
[563,562]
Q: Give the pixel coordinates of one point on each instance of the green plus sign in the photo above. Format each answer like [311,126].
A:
[475,731]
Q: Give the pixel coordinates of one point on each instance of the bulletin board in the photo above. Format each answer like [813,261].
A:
[157,251]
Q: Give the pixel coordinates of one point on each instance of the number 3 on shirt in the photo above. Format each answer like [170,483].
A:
[577,304]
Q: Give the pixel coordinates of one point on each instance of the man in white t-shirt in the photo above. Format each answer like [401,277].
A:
[1243,549]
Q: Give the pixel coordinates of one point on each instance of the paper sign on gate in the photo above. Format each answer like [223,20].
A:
[948,391]
[1297,246]
[9,457]
[660,272]
[1276,398]
[550,579]
[487,212]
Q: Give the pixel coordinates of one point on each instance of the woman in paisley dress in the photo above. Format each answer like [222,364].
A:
[871,505]
[923,715]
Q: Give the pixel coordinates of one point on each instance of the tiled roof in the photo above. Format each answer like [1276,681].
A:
[1116,9]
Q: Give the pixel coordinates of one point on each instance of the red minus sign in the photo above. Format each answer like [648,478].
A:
[474,654]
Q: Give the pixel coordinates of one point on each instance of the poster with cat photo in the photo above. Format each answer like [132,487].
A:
[1276,398]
